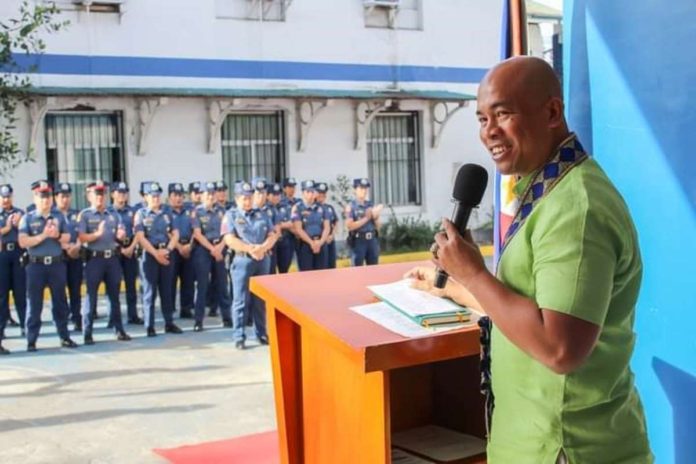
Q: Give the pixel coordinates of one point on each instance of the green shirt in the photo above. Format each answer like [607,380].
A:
[577,253]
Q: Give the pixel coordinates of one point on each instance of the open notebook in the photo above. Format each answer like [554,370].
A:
[423,308]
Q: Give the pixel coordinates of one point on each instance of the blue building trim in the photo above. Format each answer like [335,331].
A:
[241,69]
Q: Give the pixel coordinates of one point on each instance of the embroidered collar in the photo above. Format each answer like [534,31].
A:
[534,187]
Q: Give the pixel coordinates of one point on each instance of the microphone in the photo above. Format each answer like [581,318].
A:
[467,193]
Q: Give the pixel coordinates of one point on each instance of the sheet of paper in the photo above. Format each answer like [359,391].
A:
[412,301]
[391,319]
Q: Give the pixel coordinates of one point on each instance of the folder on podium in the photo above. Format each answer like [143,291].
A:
[344,386]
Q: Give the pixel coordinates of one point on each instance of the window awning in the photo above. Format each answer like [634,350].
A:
[356,94]
[221,102]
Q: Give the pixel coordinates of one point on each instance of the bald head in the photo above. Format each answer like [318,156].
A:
[526,75]
[520,110]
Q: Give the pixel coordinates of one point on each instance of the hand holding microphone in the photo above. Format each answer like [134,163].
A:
[468,191]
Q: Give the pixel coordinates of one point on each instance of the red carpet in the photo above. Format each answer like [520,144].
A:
[261,448]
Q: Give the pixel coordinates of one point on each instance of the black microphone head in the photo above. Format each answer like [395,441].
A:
[470,184]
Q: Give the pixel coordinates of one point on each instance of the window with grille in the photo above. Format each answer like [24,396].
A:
[84,147]
[394,161]
[253,145]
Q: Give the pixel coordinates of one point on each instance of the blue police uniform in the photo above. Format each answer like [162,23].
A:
[129,265]
[193,187]
[209,272]
[312,218]
[214,296]
[365,248]
[73,265]
[333,220]
[12,275]
[286,246]
[101,264]
[156,278]
[252,227]
[183,268]
[275,189]
[45,268]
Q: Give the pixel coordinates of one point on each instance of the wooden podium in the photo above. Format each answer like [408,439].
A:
[344,384]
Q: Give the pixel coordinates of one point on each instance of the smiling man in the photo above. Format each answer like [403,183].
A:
[563,302]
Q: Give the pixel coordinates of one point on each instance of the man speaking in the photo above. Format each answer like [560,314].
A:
[563,302]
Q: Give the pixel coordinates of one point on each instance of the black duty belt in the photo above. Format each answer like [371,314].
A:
[216,241]
[184,242]
[45,260]
[106,254]
[126,242]
[160,246]
[10,246]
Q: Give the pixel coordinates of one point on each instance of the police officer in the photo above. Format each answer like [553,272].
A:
[250,233]
[221,198]
[208,255]
[158,238]
[289,184]
[181,256]
[128,258]
[322,188]
[42,233]
[273,197]
[287,244]
[260,202]
[194,191]
[12,275]
[63,198]
[100,230]
[312,229]
[222,204]
[144,185]
[362,222]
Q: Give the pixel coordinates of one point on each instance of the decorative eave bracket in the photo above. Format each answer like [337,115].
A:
[217,112]
[38,107]
[440,114]
[306,112]
[365,112]
[147,107]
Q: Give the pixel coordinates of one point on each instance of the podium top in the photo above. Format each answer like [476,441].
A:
[319,301]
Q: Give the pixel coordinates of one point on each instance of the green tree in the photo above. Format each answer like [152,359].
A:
[20,35]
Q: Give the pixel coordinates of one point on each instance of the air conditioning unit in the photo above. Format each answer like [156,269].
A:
[100,6]
[381,3]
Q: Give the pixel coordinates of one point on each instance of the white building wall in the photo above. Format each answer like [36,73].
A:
[456,34]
